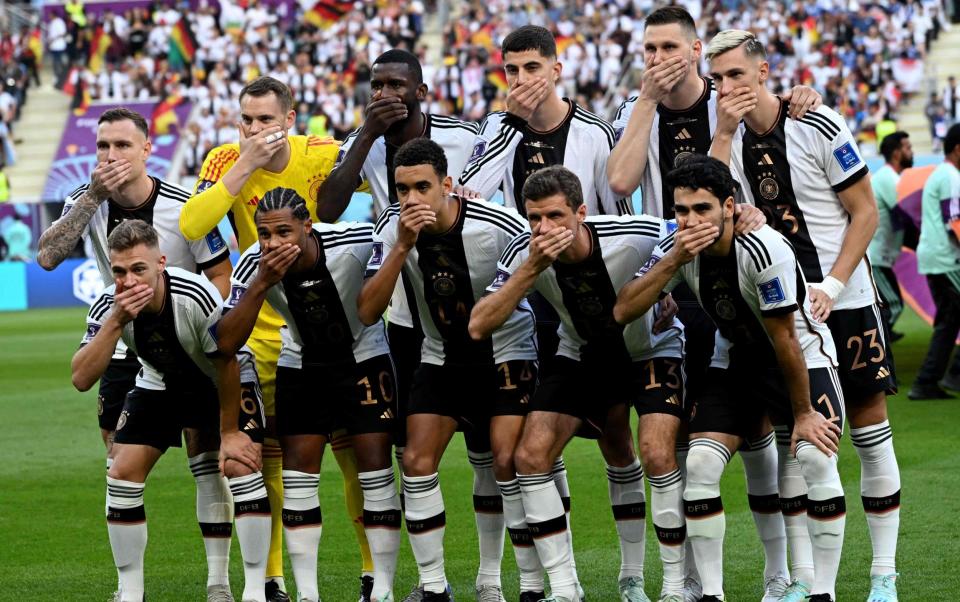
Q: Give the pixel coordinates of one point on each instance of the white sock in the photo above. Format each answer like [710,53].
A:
[793,506]
[488,511]
[559,473]
[302,529]
[689,561]
[381,522]
[215,515]
[548,527]
[826,515]
[703,508]
[426,523]
[666,506]
[880,492]
[760,466]
[251,510]
[629,504]
[528,562]
[127,527]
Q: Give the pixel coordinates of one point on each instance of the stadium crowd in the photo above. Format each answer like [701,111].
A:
[865,59]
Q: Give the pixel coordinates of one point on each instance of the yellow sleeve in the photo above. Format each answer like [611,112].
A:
[210,201]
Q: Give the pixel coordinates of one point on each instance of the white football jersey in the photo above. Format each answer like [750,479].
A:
[760,277]
[584,293]
[508,151]
[449,272]
[794,172]
[454,136]
[674,136]
[173,346]
[162,211]
[319,305]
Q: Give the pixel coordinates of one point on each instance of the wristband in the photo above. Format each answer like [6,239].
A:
[831,286]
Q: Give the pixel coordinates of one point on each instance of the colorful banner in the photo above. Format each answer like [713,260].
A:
[77,154]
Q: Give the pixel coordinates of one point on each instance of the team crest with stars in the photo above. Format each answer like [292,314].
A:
[769,189]
[314,182]
[683,152]
[726,310]
[443,284]
[122,421]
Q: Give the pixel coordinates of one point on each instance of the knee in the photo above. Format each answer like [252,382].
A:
[704,464]
[657,460]
[528,459]
[417,463]
[233,469]
[816,466]
[503,467]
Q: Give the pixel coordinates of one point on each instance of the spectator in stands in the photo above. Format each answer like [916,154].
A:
[57,38]
[19,239]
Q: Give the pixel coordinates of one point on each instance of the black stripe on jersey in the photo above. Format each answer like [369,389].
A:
[853,179]
[823,125]
[516,245]
[482,126]
[624,207]
[667,243]
[589,118]
[501,146]
[623,107]
[654,234]
[202,295]
[173,192]
[442,121]
[363,232]
[765,254]
[627,227]
[246,266]
[191,294]
[79,192]
[384,218]
[506,222]
[101,307]
[346,242]
[825,121]
[752,251]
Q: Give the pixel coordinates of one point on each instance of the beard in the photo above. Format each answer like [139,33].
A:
[906,163]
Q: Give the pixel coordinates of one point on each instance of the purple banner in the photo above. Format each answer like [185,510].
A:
[77,154]
[97,7]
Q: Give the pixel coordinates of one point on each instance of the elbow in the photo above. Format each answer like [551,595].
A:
[619,185]
[44,261]
[81,382]
[187,228]
[365,314]
[620,314]
[477,331]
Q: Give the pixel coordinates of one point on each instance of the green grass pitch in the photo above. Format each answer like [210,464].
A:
[53,540]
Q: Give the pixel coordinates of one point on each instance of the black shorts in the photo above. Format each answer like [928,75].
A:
[405,348]
[157,418]
[252,420]
[318,400]
[735,401]
[863,352]
[473,393]
[699,332]
[587,390]
[119,379]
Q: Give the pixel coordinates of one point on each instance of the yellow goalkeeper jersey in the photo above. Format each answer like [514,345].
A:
[311,160]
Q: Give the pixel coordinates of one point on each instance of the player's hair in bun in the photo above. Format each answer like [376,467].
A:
[283,198]
[422,151]
[130,233]
[700,172]
[552,180]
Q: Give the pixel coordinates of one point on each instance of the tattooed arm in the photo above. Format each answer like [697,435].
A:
[60,239]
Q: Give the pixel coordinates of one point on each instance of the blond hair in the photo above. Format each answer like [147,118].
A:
[729,39]
[130,233]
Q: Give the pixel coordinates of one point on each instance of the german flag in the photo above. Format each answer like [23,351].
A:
[99,45]
[498,78]
[564,42]
[164,116]
[326,13]
[183,44]
[81,98]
